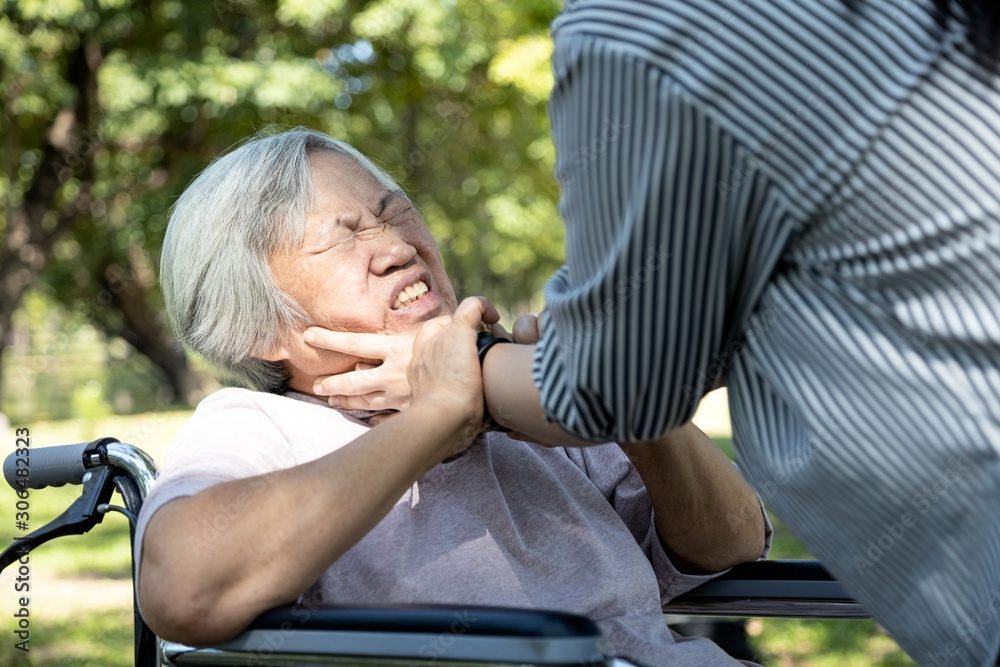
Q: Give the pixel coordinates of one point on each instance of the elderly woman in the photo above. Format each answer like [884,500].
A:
[272,497]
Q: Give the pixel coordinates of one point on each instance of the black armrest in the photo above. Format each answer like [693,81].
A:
[405,634]
[483,621]
[770,588]
[778,570]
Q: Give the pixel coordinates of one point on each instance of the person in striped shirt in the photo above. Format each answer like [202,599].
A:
[801,201]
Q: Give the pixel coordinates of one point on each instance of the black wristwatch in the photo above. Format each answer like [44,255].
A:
[484,341]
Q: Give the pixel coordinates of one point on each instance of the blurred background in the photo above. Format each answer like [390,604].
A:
[110,107]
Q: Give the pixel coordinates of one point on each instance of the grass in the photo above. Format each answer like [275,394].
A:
[80,606]
[843,643]
[81,599]
[98,639]
[102,553]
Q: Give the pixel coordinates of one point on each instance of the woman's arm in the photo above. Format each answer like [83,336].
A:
[300,520]
[297,522]
[705,511]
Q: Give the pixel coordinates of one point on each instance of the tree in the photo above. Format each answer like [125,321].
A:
[111,107]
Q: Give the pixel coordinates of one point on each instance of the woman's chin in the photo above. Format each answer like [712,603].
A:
[408,316]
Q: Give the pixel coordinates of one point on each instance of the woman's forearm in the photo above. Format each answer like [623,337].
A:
[513,399]
[705,511]
[214,561]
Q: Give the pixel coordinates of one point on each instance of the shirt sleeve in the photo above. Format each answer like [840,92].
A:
[229,437]
[642,316]
[616,478]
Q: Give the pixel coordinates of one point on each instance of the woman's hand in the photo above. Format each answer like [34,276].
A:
[382,386]
[444,371]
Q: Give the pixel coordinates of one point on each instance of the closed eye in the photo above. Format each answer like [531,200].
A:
[327,246]
[405,213]
[350,229]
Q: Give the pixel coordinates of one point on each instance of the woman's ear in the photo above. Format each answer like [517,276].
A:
[278,351]
[277,354]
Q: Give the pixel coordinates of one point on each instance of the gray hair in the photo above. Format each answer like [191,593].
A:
[220,295]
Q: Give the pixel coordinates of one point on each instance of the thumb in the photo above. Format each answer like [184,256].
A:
[475,310]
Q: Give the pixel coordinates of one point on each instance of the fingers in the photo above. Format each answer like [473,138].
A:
[498,331]
[526,330]
[373,401]
[491,315]
[369,346]
[353,383]
[474,310]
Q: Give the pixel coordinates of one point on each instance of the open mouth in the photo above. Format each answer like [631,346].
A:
[410,294]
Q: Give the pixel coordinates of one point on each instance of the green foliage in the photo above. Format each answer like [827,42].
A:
[88,401]
[60,367]
[450,97]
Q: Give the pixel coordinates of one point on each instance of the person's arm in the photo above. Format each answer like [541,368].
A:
[512,398]
[510,394]
[660,274]
[705,512]
[293,524]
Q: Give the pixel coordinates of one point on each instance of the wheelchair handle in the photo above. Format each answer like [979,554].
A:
[51,466]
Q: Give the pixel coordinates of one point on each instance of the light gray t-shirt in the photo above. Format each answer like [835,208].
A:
[506,523]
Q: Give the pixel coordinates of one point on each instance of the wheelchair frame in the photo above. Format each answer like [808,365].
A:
[459,636]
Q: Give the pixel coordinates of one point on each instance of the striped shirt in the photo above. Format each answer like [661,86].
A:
[802,200]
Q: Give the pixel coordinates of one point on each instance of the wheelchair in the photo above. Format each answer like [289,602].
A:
[392,636]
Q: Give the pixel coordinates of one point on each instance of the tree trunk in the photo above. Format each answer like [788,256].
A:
[143,329]
[5,327]
[33,227]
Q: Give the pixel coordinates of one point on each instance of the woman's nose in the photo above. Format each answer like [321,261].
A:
[390,252]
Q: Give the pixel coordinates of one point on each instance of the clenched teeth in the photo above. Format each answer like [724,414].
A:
[410,293]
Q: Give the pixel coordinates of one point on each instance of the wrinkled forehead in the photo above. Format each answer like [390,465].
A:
[336,177]
[335,185]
